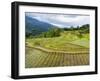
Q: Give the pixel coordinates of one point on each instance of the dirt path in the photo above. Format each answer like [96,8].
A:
[61,52]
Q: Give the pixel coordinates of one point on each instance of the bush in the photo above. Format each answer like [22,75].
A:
[37,43]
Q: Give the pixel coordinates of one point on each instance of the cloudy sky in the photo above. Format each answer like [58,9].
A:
[61,20]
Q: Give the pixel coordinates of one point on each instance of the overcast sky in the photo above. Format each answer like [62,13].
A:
[61,20]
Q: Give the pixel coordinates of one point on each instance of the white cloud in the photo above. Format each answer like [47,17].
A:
[61,20]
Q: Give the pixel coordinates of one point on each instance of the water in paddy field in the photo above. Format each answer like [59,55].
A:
[35,58]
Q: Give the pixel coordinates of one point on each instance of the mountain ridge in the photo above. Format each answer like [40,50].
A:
[32,24]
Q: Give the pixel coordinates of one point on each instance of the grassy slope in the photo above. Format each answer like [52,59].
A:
[66,42]
[83,41]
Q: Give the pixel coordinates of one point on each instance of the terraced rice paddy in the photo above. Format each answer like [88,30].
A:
[35,58]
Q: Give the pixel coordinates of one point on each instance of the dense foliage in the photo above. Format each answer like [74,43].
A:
[56,32]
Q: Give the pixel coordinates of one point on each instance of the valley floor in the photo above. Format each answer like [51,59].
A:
[35,59]
[56,52]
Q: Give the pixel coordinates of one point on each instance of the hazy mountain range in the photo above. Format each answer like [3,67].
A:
[35,25]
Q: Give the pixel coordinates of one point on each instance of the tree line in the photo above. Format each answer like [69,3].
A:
[55,31]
